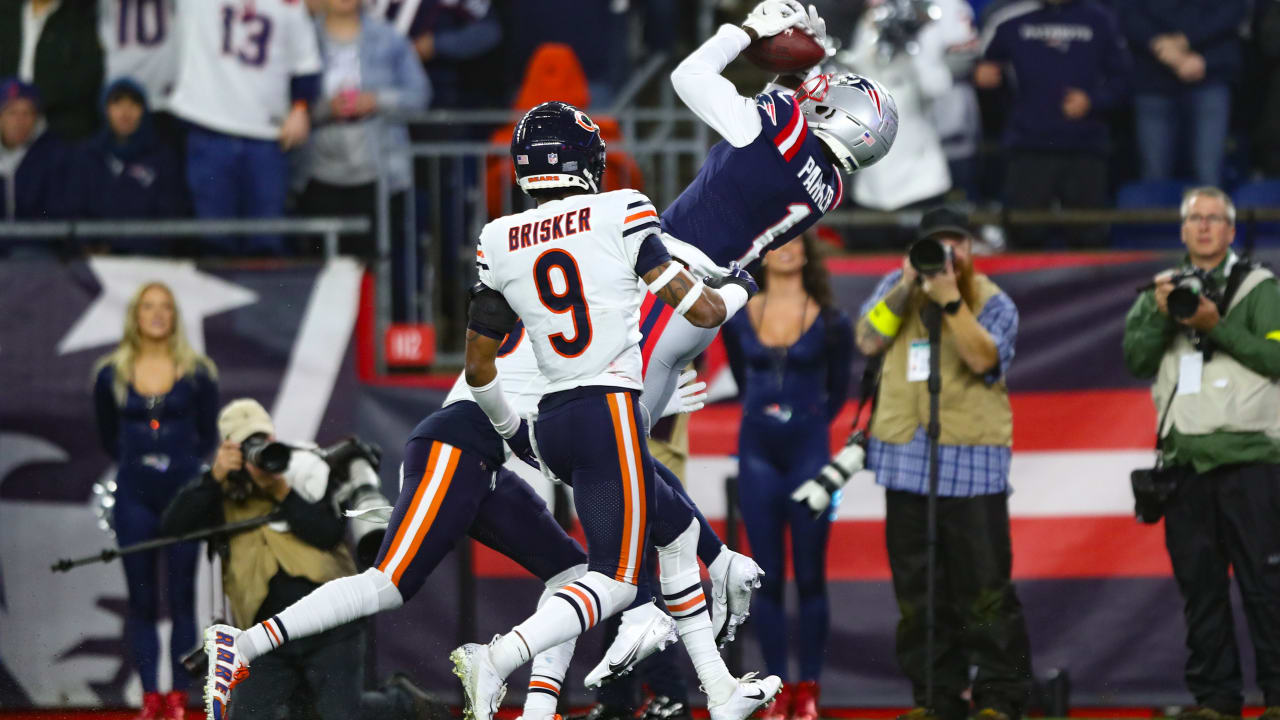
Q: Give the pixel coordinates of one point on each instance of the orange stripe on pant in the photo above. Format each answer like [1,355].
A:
[591,614]
[628,512]
[432,510]
[407,520]
[643,507]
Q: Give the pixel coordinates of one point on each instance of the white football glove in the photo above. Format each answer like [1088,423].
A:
[817,26]
[771,17]
[816,493]
[689,396]
[700,266]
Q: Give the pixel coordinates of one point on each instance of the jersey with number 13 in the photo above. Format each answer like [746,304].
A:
[237,59]
[568,269]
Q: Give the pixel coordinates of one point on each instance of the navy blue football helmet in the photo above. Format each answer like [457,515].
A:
[557,145]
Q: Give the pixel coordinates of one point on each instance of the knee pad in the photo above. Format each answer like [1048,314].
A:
[564,578]
[386,595]
[679,557]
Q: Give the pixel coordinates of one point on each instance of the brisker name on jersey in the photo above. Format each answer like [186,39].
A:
[554,228]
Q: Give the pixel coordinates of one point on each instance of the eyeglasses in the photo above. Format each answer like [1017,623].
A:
[1197,218]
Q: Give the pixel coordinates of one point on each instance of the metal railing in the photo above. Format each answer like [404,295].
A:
[327,228]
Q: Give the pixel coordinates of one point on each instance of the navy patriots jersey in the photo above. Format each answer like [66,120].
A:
[761,195]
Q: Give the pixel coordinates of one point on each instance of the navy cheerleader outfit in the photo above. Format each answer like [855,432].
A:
[790,395]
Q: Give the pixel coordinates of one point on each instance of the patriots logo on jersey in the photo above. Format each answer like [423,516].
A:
[765,102]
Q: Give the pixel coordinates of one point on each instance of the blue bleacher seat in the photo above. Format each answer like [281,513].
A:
[1146,195]
[1257,194]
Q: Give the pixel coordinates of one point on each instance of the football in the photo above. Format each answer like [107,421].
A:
[791,50]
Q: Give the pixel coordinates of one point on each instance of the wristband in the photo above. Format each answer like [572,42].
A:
[667,276]
[884,320]
[735,298]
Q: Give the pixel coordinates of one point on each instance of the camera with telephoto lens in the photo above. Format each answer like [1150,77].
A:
[1188,287]
[929,256]
[353,470]
[268,455]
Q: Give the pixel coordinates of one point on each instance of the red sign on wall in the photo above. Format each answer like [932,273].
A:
[410,345]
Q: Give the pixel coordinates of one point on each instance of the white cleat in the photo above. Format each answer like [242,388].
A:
[225,669]
[481,683]
[752,694]
[645,630]
[733,577]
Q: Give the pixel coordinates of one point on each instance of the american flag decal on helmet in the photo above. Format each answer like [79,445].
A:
[866,87]
[867,139]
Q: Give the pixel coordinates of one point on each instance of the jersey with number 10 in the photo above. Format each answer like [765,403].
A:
[568,269]
[237,58]
[761,195]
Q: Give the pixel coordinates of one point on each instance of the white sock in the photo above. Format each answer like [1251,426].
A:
[571,611]
[550,666]
[687,603]
[334,603]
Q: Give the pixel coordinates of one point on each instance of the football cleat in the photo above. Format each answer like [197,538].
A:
[751,694]
[645,630]
[733,577]
[225,670]
[482,686]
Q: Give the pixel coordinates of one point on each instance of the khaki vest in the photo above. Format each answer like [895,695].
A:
[258,554]
[1232,397]
[971,412]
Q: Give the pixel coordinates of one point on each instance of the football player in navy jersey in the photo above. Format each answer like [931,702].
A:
[776,173]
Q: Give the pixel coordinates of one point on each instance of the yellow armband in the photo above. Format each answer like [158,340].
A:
[884,320]
[1274,335]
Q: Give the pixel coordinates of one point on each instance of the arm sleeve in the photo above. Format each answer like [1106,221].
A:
[108,415]
[471,40]
[999,317]
[198,505]
[1214,21]
[733,350]
[1147,332]
[206,413]
[305,88]
[839,346]
[1255,343]
[412,89]
[710,96]
[315,523]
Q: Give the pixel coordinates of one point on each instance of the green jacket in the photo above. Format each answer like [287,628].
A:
[68,69]
[1250,333]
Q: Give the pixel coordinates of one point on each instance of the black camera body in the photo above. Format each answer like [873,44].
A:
[1152,488]
[930,256]
[1188,287]
[269,455]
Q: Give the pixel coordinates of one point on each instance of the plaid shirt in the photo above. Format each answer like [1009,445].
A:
[963,470]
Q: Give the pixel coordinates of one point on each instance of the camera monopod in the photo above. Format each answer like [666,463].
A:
[109,554]
[931,314]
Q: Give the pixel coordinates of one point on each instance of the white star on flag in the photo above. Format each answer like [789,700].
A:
[198,296]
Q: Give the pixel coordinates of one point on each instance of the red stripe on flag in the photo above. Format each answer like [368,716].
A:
[995,264]
[1043,548]
[1076,420]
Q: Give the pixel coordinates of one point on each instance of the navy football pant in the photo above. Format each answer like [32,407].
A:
[593,439]
[446,495]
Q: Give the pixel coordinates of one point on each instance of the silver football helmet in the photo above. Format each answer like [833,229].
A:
[855,116]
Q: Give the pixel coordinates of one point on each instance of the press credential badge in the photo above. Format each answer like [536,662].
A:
[918,361]
[1190,370]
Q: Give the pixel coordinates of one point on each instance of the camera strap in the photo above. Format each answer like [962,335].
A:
[868,388]
[1160,428]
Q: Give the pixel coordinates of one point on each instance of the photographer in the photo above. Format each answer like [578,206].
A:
[1209,333]
[267,568]
[979,620]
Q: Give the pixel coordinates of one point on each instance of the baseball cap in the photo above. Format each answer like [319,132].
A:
[944,220]
[242,418]
[12,88]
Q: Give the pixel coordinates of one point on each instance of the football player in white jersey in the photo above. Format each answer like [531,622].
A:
[139,40]
[247,71]
[569,269]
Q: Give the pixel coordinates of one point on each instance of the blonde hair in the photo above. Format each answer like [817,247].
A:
[185,359]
